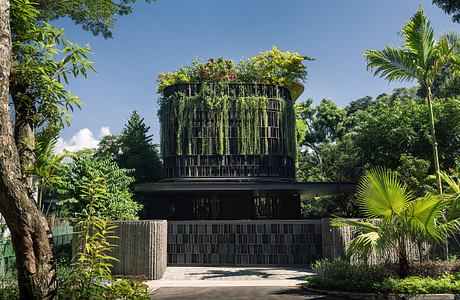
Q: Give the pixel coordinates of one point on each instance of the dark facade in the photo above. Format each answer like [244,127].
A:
[229,153]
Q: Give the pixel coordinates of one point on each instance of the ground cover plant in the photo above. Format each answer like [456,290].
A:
[340,275]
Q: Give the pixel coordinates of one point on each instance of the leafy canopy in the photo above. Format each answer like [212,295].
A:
[96,16]
[118,203]
[134,149]
[43,61]
[451,7]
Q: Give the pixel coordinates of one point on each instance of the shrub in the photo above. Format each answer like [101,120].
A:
[341,275]
[448,283]
[91,277]
[9,286]
[430,268]
[269,67]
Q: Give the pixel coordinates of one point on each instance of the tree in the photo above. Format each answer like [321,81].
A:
[118,202]
[96,16]
[48,165]
[324,125]
[43,59]
[133,149]
[451,7]
[403,219]
[421,60]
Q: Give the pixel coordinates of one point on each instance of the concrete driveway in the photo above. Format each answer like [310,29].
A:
[231,283]
[240,293]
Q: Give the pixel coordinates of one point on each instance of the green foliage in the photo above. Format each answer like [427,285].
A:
[451,7]
[44,59]
[97,16]
[179,112]
[270,67]
[118,203]
[390,131]
[127,290]
[93,261]
[449,283]
[415,173]
[280,68]
[134,149]
[91,276]
[421,59]
[48,166]
[340,275]
[403,219]
[9,289]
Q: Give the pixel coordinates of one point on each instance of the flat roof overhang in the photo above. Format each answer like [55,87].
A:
[305,189]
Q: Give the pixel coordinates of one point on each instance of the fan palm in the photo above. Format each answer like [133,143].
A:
[402,218]
[420,60]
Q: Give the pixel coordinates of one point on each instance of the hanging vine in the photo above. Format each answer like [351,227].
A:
[201,119]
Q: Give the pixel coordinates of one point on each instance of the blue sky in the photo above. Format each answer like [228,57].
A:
[166,34]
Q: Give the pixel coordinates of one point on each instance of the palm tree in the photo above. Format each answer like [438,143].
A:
[403,220]
[421,59]
[46,169]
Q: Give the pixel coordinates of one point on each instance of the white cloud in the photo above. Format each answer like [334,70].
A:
[104,131]
[83,139]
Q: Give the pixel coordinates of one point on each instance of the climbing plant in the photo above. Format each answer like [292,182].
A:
[203,118]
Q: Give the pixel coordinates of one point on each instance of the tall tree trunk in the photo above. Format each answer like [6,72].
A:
[434,142]
[29,230]
[24,128]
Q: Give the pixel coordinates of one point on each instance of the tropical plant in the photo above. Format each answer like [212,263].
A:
[421,59]
[48,165]
[118,203]
[402,219]
[91,275]
[179,112]
[93,260]
[270,67]
[37,61]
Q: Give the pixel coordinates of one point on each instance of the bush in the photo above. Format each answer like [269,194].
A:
[118,290]
[449,283]
[9,286]
[342,276]
[269,67]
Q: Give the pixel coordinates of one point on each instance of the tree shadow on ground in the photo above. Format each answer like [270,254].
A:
[260,273]
[298,291]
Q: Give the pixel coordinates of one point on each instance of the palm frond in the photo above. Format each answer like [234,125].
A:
[419,38]
[381,194]
[360,226]
[363,244]
[450,228]
[393,64]
[423,214]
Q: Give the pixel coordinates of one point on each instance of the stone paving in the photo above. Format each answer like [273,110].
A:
[241,293]
[235,273]
[230,276]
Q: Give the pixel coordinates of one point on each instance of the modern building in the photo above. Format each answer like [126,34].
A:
[229,153]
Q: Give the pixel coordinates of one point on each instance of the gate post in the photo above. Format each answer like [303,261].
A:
[141,248]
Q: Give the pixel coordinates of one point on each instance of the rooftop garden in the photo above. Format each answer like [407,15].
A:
[270,67]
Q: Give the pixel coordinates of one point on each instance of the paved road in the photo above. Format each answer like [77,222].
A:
[233,293]
[221,283]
